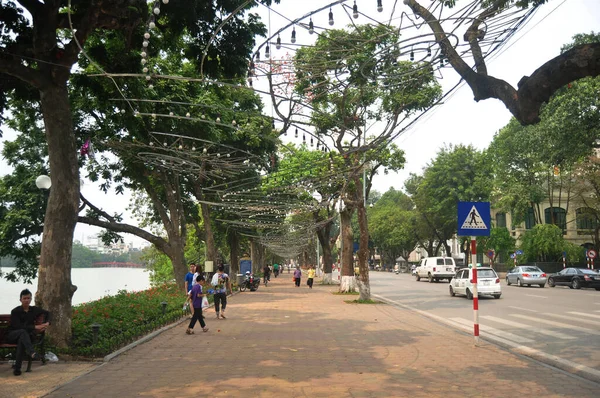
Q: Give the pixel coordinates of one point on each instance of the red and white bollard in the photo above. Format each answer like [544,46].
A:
[475,293]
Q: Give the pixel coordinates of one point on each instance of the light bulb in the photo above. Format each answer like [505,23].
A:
[294,35]
[187,114]
[311,27]
[278,44]
[379,6]
[267,52]
[355,10]
[218,120]
[144,44]
[331,17]
[148,77]
[157,11]
[144,54]
[146,35]
[144,61]
[170,113]
[152,25]
[151,86]
[165,1]
[145,70]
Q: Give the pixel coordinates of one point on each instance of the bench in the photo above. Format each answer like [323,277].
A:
[38,340]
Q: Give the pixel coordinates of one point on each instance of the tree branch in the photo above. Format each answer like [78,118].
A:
[525,104]
[159,242]
[13,67]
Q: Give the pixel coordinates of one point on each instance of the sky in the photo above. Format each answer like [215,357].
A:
[459,120]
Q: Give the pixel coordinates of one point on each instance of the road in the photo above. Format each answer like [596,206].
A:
[557,325]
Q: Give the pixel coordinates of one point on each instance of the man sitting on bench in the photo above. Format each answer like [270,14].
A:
[23,327]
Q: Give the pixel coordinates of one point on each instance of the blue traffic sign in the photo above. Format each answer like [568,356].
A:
[519,252]
[513,255]
[474,219]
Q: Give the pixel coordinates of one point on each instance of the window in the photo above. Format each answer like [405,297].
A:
[571,271]
[440,261]
[556,216]
[449,261]
[586,218]
[530,218]
[501,220]
[486,273]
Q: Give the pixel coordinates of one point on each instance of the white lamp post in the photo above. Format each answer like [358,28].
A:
[43,182]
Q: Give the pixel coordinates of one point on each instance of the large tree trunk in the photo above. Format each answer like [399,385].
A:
[176,254]
[347,283]
[234,251]
[323,234]
[257,255]
[364,287]
[211,250]
[55,289]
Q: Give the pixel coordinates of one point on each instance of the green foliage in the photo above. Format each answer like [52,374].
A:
[500,240]
[544,242]
[159,266]
[391,225]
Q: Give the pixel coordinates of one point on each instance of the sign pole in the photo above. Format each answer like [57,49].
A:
[475,293]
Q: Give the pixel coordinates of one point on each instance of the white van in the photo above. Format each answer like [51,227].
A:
[436,268]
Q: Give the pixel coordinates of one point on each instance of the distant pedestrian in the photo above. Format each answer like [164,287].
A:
[220,281]
[196,295]
[311,276]
[297,276]
[189,278]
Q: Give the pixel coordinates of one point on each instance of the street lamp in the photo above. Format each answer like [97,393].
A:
[43,182]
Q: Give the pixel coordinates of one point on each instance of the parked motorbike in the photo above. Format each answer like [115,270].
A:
[251,283]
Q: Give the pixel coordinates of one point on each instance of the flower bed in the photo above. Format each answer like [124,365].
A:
[123,318]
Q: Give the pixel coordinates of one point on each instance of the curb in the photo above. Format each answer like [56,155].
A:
[573,369]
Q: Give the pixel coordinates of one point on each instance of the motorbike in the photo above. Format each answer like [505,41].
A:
[251,283]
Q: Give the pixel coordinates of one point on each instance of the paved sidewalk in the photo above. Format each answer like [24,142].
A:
[294,342]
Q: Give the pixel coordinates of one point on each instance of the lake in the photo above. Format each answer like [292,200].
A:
[92,283]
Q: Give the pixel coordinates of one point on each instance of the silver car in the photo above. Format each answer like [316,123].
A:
[526,275]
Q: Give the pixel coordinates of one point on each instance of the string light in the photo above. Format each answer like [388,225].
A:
[355,10]
[278,43]
[311,27]
[293,35]
[267,52]
[379,6]
[331,17]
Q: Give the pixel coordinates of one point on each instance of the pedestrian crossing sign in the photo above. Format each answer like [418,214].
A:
[474,218]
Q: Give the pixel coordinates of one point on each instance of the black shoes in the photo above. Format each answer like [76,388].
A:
[17,372]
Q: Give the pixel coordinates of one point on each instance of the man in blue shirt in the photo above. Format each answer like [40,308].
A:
[189,278]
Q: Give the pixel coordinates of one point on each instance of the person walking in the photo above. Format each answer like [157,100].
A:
[297,276]
[23,328]
[189,278]
[220,281]
[196,295]
[310,276]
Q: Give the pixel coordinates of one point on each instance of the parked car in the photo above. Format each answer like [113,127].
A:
[436,268]
[488,283]
[526,275]
[575,278]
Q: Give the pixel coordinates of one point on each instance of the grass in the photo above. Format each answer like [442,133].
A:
[363,302]
[346,293]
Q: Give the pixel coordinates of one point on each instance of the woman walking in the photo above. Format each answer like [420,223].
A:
[297,276]
[196,298]
[310,276]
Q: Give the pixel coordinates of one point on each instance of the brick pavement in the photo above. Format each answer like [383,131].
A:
[296,342]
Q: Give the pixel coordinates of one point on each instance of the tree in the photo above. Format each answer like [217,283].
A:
[525,102]
[500,241]
[459,173]
[391,225]
[545,242]
[345,89]
[534,163]
[48,38]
